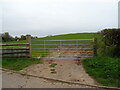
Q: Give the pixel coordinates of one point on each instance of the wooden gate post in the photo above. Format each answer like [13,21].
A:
[28,40]
[95,47]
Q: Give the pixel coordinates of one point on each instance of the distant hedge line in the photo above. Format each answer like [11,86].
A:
[6,37]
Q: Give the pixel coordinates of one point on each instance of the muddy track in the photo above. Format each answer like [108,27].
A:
[67,67]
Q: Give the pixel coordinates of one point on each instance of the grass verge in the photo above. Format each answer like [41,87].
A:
[18,63]
[105,70]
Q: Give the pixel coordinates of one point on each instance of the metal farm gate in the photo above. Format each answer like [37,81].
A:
[64,49]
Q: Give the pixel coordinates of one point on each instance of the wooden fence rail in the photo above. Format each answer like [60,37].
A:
[16,49]
[16,44]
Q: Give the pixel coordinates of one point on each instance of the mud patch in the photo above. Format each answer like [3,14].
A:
[62,64]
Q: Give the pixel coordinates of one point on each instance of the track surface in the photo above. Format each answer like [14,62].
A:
[14,80]
[68,66]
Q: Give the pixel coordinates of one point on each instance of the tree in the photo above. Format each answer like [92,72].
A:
[23,37]
[6,37]
[16,38]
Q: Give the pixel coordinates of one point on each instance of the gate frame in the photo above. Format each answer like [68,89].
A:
[28,40]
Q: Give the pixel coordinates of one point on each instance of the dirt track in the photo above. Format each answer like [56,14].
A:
[65,69]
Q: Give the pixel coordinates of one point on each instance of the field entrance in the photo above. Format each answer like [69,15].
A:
[79,48]
[62,59]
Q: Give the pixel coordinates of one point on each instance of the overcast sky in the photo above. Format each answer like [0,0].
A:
[49,17]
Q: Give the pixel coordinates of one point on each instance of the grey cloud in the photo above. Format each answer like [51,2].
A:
[47,17]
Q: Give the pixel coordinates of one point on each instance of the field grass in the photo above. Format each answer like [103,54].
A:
[105,70]
[18,63]
[62,37]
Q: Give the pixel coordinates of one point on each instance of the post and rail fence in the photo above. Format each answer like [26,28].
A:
[27,49]
[16,50]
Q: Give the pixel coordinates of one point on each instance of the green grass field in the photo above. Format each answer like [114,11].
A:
[62,37]
[103,68]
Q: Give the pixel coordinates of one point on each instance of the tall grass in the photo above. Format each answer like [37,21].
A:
[105,70]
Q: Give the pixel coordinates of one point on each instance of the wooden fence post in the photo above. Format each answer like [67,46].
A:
[28,40]
[95,47]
